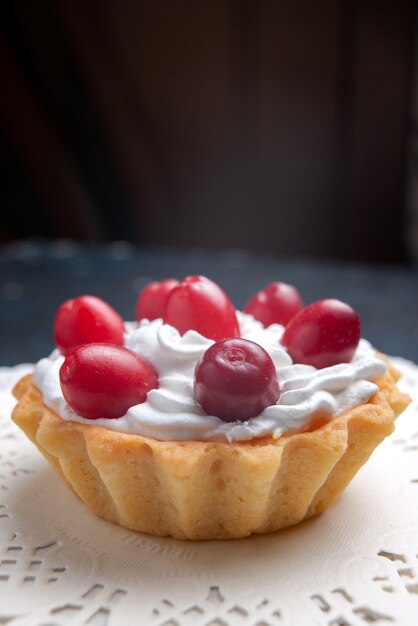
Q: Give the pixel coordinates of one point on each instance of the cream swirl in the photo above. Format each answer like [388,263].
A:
[170,412]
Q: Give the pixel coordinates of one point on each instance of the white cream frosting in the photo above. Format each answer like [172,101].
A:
[170,412]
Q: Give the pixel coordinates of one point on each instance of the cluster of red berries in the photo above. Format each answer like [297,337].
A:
[235,379]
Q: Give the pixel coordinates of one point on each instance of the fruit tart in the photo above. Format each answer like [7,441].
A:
[198,421]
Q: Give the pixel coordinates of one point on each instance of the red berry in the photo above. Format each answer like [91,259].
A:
[152,300]
[235,379]
[323,334]
[86,319]
[102,380]
[275,304]
[198,303]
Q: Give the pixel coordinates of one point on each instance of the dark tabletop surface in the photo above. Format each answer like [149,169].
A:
[36,277]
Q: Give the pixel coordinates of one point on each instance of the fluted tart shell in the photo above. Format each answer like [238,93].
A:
[209,490]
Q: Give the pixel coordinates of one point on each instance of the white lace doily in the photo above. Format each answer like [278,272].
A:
[355,564]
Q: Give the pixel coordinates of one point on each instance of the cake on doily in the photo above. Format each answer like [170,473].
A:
[200,422]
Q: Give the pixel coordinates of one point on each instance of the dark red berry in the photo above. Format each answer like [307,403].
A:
[86,319]
[152,300]
[275,304]
[101,380]
[235,379]
[323,334]
[198,303]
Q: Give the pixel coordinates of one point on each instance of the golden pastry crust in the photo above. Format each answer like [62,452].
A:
[209,490]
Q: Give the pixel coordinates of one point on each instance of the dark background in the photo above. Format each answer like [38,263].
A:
[274,126]
[247,141]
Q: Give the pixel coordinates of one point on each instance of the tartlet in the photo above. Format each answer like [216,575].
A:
[209,490]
